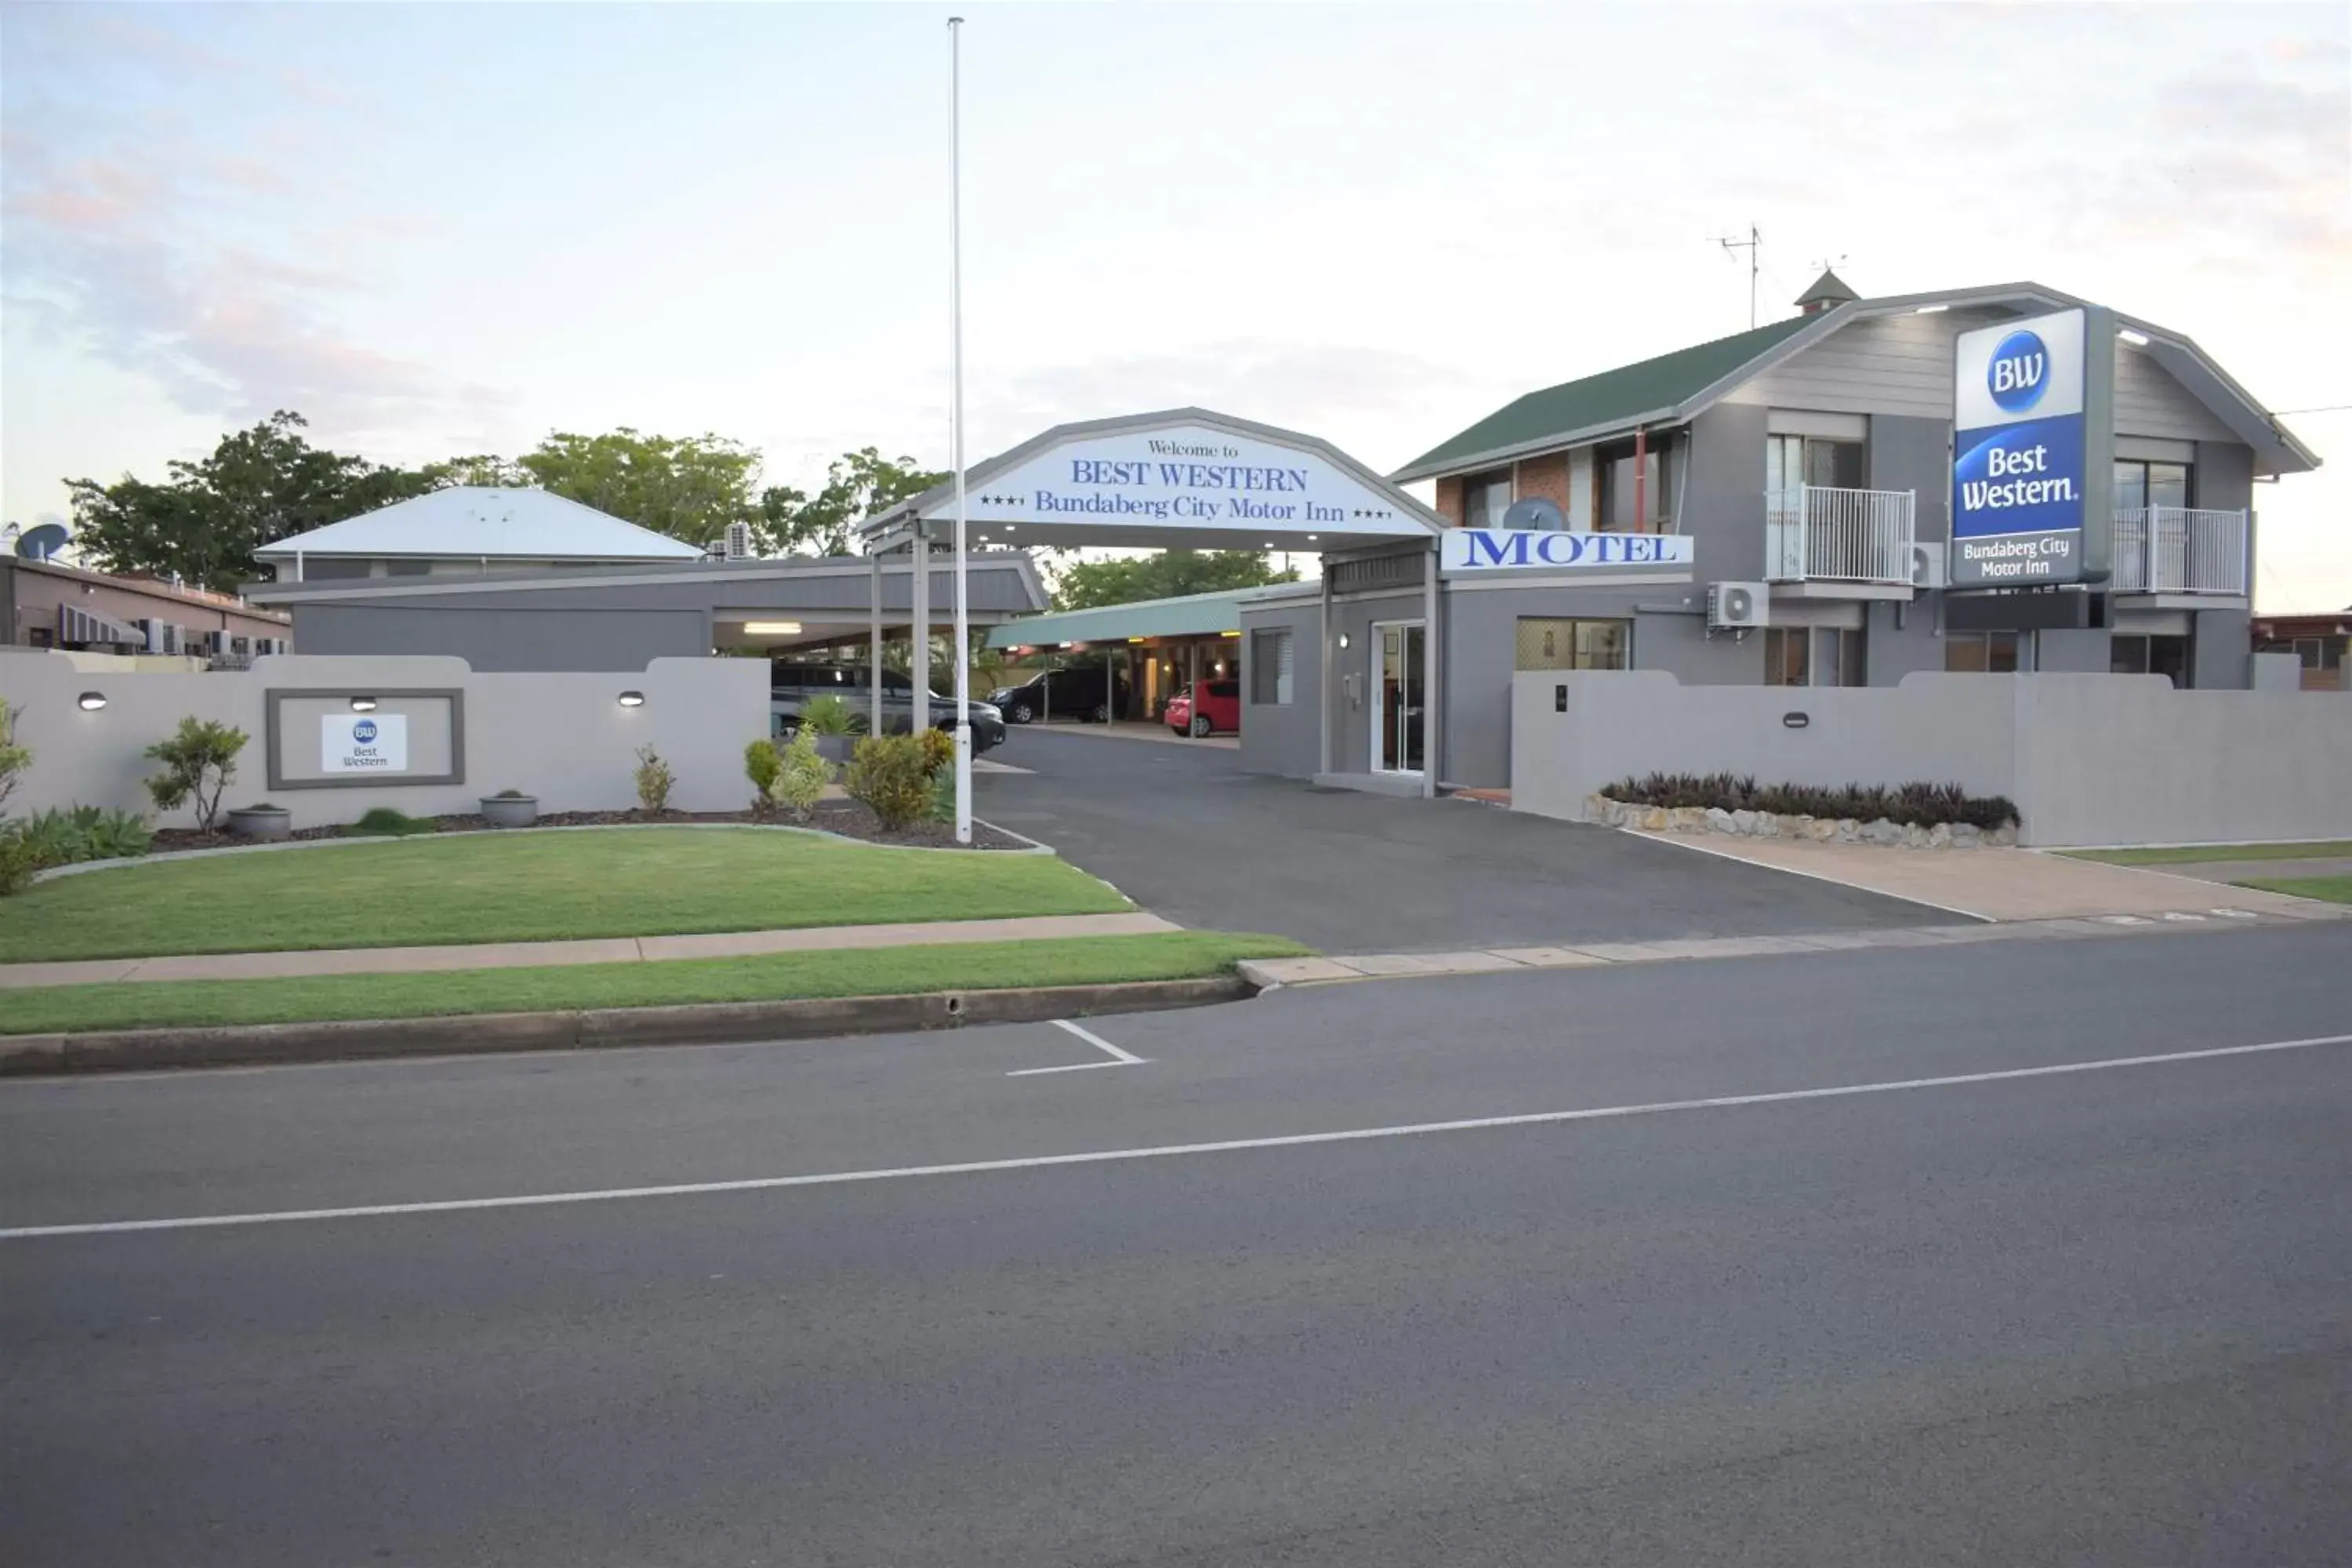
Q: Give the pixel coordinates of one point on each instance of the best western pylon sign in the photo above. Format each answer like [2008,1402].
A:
[1471,552]
[2031,412]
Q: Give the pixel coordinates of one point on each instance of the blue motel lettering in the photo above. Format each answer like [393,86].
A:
[1481,549]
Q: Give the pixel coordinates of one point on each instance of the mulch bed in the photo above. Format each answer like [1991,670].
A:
[845,817]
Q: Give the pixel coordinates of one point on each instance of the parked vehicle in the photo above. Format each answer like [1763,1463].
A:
[1083,692]
[1206,708]
[794,683]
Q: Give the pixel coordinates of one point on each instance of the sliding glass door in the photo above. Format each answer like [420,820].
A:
[1399,668]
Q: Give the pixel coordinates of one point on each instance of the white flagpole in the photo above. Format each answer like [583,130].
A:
[955,457]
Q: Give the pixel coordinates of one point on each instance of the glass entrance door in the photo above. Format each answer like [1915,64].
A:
[1397,676]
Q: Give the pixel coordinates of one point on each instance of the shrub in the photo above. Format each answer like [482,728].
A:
[761,763]
[829,715]
[385,820]
[85,833]
[199,760]
[16,761]
[801,776]
[511,794]
[890,775]
[1923,804]
[939,751]
[20,857]
[655,781]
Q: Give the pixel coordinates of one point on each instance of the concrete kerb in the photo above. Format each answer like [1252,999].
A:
[704,1023]
[1033,846]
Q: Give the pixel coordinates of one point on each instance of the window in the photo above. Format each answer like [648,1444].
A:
[1270,675]
[1619,482]
[1548,642]
[1982,653]
[408,568]
[1485,498]
[2131,654]
[1793,460]
[1842,658]
[2140,485]
[1786,660]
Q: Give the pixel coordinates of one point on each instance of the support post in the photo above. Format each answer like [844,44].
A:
[920,553]
[873,644]
[955,333]
[1330,671]
[1433,733]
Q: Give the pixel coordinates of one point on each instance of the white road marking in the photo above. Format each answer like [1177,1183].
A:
[1118,1058]
[1165,1150]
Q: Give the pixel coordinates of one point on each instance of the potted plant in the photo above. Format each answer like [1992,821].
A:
[510,809]
[262,821]
[833,723]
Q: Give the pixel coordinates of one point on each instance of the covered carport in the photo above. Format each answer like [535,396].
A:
[1190,479]
[1154,648]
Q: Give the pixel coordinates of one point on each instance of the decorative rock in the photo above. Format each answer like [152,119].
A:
[1820,829]
[1654,818]
[1596,807]
[1767,825]
[1967,835]
[1940,836]
[1849,831]
[1881,832]
[1719,819]
[2005,838]
[1743,822]
[1686,819]
[1914,836]
[1790,826]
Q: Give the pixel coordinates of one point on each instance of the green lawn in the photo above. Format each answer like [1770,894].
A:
[2335,890]
[530,887]
[2198,853]
[975,966]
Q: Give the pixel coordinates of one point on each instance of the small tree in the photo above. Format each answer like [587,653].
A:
[16,761]
[800,781]
[761,763]
[655,782]
[199,760]
[891,776]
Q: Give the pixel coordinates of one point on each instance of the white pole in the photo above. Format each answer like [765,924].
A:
[955,455]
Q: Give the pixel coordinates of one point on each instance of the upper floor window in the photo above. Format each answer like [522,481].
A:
[1790,461]
[1485,498]
[2141,485]
[1631,487]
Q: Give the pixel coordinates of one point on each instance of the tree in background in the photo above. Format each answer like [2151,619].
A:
[689,489]
[857,486]
[1086,584]
[258,485]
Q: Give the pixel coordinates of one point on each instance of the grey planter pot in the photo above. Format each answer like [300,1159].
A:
[256,822]
[835,748]
[511,810]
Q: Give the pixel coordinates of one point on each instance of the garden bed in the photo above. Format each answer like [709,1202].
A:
[1911,816]
[844,817]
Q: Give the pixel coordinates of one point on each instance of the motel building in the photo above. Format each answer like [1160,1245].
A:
[1997,479]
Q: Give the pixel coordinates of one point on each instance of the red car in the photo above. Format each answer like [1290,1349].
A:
[1218,707]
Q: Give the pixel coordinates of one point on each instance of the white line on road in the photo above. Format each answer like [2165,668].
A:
[1163,1151]
[1118,1058]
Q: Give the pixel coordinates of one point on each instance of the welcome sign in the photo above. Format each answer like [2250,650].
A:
[363,744]
[1472,551]
[2022,472]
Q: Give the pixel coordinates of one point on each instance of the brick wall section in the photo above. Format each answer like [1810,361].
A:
[1449,498]
[1542,478]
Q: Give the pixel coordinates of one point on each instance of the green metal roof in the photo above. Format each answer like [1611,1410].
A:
[1621,395]
[1194,614]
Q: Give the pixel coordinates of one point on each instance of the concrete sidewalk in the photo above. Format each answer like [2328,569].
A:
[549,954]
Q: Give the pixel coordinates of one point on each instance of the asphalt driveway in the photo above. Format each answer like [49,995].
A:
[1186,833]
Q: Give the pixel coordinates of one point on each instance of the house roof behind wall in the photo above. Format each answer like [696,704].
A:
[485,522]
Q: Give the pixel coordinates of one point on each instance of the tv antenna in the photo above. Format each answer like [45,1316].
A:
[1754,246]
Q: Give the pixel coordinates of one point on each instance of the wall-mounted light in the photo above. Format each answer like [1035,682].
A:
[1930,309]
[1229,634]
[772,628]
[633,699]
[1343,639]
[363,704]
[2136,340]
[91,701]
[1310,537]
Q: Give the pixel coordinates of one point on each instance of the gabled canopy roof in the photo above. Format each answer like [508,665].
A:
[1675,387]
[476,520]
[1187,614]
[1179,479]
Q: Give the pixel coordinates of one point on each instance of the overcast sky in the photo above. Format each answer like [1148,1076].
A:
[436,229]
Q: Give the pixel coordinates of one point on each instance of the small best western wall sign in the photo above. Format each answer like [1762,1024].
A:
[363,744]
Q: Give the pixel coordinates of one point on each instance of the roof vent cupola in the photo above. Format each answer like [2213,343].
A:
[1828,292]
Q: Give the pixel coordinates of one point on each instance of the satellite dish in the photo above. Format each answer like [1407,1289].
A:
[1534,515]
[41,541]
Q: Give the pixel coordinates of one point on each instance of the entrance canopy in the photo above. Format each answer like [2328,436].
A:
[1186,479]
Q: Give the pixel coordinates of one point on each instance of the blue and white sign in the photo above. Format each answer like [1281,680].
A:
[2020,481]
[1471,552]
[363,744]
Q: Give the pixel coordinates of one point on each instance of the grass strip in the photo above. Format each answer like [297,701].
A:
[2200,854]
[867,971]
[2333,890]
[532,887]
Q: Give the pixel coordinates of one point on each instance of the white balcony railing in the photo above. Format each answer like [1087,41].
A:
[2179,550]
[1816,533]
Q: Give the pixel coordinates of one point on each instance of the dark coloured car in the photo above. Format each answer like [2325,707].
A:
[794,683]
[1088,694]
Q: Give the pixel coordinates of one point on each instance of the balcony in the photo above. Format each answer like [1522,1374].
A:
[2180,549]
[1816,533]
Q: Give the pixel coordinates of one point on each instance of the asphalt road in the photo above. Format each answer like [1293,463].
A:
[1187,834]
[2098,1317]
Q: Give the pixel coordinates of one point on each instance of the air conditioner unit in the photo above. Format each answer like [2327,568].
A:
[738,542]
[1928,569]
[155,630]
[1738,607]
